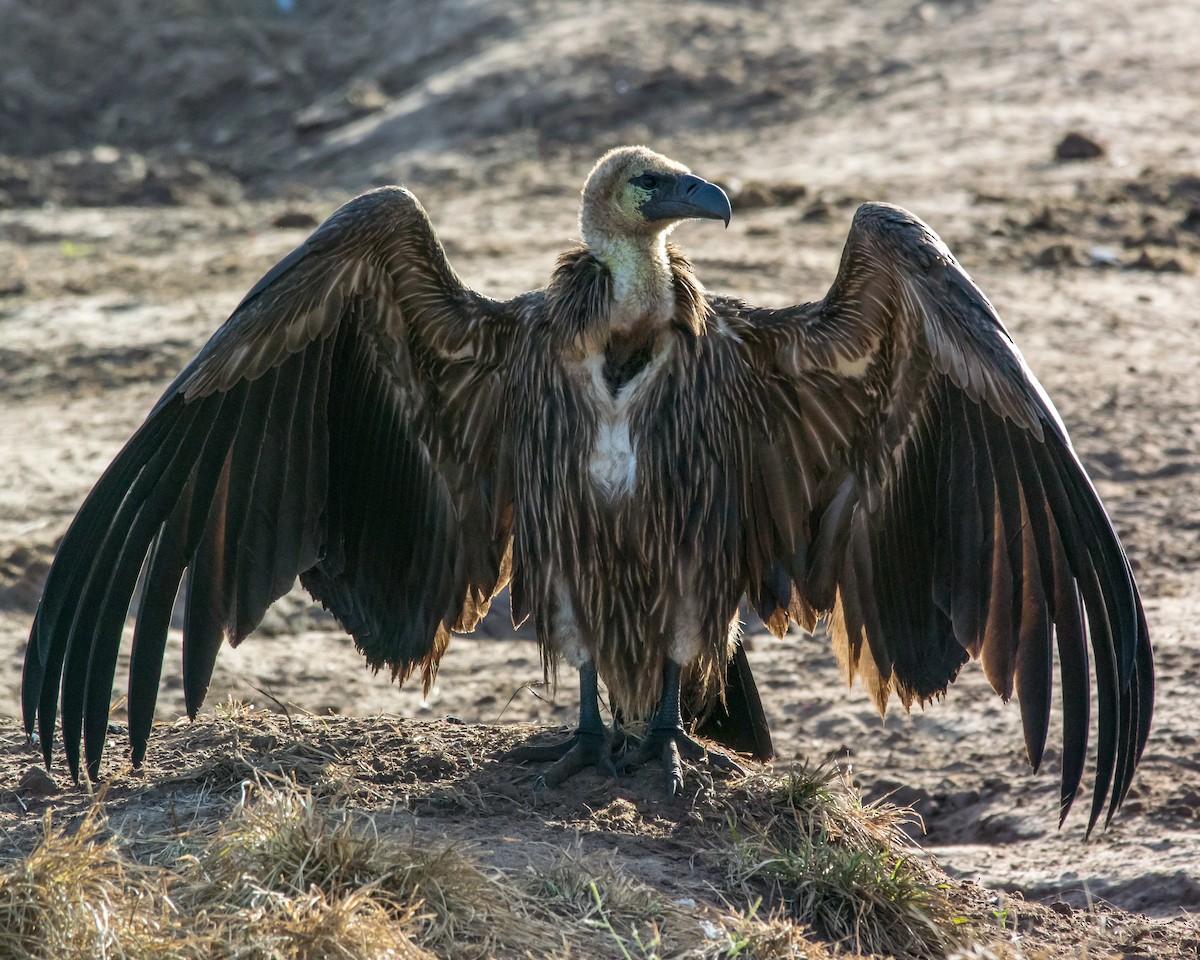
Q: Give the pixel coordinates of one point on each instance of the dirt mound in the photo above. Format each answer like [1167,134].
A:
[452,842]
[335,91]
[231,82]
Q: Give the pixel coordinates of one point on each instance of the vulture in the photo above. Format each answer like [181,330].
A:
[632,456]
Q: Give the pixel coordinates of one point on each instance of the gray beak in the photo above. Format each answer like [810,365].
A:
[688,198]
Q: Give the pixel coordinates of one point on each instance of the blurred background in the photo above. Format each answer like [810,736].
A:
[207,99]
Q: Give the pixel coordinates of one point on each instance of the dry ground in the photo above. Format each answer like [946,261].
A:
[226,125]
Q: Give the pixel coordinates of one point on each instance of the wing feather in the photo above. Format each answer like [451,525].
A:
[952,518]
[302,439]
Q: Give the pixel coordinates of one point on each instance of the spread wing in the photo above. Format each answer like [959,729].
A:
[341,425]
[932,504]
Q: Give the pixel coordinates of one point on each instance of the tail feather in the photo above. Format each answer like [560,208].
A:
[739,722]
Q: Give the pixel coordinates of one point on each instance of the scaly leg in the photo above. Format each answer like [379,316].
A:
[668,742]
[589,746]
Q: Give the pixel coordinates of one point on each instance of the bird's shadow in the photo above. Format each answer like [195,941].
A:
[443,769]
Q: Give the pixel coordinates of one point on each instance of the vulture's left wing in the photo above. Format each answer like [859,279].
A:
[944,512]
[341,425]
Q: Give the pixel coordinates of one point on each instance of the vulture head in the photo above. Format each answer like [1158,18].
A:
[635,192]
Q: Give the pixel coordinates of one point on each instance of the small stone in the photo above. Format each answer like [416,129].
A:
[35,781]
[1104,257]
[1062,908]
[295,220]
[1057,255]
[1078,146]
[819,212]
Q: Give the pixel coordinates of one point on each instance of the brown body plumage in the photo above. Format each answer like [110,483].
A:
[635,456]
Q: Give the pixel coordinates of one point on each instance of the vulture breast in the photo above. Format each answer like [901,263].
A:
[613,382]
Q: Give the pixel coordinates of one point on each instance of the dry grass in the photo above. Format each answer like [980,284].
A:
[310,870]
[281,879]
[596,900]
[77,897]
[593,887]
[289,876]
[848,871]
[761,868]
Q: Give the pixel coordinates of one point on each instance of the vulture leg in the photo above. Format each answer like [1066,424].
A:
[589,746]
[668,742]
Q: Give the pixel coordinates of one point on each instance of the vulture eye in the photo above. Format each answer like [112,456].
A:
[647,181]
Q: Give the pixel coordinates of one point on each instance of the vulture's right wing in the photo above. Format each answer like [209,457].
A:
[341,425]
[936,509]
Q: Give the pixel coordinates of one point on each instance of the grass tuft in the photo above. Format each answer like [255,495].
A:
[845,869]
[75,897]
[571,883]
[281,847]
[281,879]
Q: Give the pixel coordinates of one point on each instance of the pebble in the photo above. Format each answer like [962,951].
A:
[1078,146]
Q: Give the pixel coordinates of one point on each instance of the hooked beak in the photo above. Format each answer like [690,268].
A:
[689,198]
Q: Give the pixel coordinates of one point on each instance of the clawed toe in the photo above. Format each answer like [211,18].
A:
[576,753]
[542,752]
[670,746]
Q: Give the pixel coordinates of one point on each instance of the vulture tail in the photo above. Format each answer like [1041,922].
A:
[739,722]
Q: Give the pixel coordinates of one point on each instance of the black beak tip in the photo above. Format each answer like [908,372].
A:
[691,199]
[713,202]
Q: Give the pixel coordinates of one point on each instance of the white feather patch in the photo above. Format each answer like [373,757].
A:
[566,631]
[613,464]
[686,643]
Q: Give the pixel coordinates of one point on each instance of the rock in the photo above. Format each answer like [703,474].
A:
[295,220]
[819,212]
[36,782]
[1078,146]
[1057,255]
[1103,257]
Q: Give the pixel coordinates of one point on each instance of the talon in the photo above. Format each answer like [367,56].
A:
[541,752]
[674,768]
[582,750]
[670,746]
[728,764]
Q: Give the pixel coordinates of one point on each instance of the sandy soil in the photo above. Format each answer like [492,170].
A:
[122,260]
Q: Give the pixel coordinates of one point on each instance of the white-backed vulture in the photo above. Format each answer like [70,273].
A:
[632,455]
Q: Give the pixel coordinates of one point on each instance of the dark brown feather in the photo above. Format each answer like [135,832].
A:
[955,520]
[229,478]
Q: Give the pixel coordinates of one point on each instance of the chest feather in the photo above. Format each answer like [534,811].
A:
[613,463]
[615,381]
